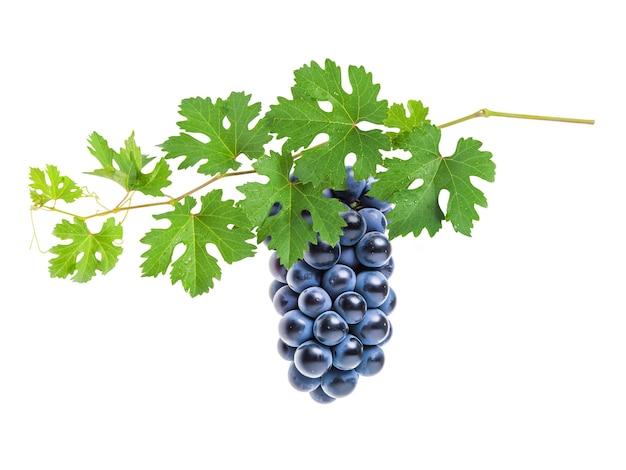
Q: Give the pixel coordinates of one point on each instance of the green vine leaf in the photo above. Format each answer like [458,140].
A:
[398,118]
[301,119]
[226,123]
[418,208]
[218,222]
[125,167]
[290,232]
[88,252]
[49,185]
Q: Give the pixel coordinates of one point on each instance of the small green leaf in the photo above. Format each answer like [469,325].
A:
[48,185]
[125,167]
[226,123]
[398,118]
[418,208]
[289,230]
[88,252]
[218,222]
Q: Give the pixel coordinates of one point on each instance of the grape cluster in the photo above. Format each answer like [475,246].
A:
[334,302]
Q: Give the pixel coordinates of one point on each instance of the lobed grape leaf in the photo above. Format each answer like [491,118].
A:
[226,142]
[217,222]
[290,232]
[397,118]
[88,252]
[124,167]
[301,119]
[418,208]
[48,185]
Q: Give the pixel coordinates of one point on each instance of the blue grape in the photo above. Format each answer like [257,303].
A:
[330,328]
[285,299]
[338,383]
[338,279]
[312,359]
[348,353]
[295,327]
[322,255]
[373,286]
[314,300]
[354,229]
[373,361]
[374,219]
[277,269]
[348,258]
[274,286]
[301,275]
[301,382]
[354,189]
[351,306]
[373,249]
[389,304]
[321,396]
[373,328]
[284,350]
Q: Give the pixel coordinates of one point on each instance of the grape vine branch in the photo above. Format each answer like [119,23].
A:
[317,131]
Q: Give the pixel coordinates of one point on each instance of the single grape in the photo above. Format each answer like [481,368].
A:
[274,286]
[301,275]
[295,327]
[338,383]
[277,269]
[322,255]
[374,219]
[321,396]
[373,286]
[348,258]
[338,279]
[330,328]
[373,361]
[348,353]
[351,306]
[390,302]
[285,299]
[373,249]
[354,229]
[314,300]
[312,359]
[373,328]
[301,382]
[284,350]
[387,268]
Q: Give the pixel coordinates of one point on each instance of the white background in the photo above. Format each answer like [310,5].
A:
[509,348]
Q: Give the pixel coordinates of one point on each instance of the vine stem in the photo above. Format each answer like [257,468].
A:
[487,113]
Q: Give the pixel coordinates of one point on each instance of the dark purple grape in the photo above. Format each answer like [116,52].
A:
[284,350]
[274,286]
[285,299]
[373,328]
[338,279]
[301,382]
[320,396]
[295,327]
[348,258]
[302,275]
[322,255]
[374,219]
[354,229]
[351,306]
[390,302]
[312,359]
[314,300]
[373,361]
[277,269]
[330,328]
[348,353]
[373,286]
[338,383]
[373,249]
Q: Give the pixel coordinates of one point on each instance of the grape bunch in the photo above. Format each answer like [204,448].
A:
[334,303]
